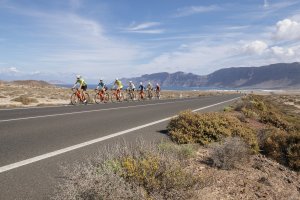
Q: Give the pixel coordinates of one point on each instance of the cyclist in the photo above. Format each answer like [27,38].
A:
[149,86]
[149,90]
[131,86]
[119,85]
[141,89]
[157,90]
[82,86]
[102,86]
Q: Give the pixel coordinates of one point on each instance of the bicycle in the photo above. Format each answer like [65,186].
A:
[101,96]
[149,94]
[77,98]
[117,95]
[157,94]
[130,95]
[141,95]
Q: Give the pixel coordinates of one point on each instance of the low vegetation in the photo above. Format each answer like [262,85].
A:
[25,100]
[280,133]
[206,128]
[124,172]
[230,153]
[261,122]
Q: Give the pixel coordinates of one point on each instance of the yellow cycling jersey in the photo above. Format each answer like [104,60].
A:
[119,84]
[81,82]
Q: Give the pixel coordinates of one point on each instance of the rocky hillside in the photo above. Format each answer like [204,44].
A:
[273,76]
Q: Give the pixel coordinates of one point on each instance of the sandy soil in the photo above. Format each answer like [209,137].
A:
[261,178]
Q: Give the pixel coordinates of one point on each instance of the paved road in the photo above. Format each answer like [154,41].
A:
[35,142]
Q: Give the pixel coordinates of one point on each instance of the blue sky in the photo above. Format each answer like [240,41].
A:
[54,40]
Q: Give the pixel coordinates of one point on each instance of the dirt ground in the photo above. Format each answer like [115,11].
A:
[261,178]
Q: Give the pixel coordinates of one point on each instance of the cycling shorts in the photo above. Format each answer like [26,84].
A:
[84,87]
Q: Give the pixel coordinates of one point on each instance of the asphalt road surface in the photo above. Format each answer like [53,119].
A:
[34,142]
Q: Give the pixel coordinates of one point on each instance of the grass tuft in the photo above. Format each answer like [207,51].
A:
[25,100]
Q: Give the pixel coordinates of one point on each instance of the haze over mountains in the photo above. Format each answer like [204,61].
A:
[275,76]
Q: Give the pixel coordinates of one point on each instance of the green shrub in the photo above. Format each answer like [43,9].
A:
[205,128]
[283,147]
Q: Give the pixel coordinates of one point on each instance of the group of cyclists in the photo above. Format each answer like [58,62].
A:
[118,87]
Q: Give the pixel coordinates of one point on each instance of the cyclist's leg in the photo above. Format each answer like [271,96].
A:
[83,89]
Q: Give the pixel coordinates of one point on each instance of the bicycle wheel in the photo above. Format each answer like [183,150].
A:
[97,98]
[141,97]
[158,95]
[127,96]
[74,99]
[113,98]
[105,98]
[121,97]
[133,96]
[150,95]
[87,97]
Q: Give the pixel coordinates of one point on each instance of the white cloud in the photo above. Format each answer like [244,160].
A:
[287,29]
[199,58]
[255,47]
[187,11]
[146,27]
[143,26]
[283,52]
[10,70]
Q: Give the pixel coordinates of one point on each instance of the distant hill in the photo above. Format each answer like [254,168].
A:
[32,83]
[275,76]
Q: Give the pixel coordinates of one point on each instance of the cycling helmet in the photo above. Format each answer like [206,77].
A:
[101,79]
[157,84]
[149,83]
[130,81]
[117,79]
[141,83]
[78,76]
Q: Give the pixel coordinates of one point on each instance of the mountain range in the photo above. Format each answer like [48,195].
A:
[274,76]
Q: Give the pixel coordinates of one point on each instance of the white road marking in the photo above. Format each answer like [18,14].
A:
[84,144]
[90,111]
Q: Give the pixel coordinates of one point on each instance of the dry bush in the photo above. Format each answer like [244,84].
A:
[281,139]
[230,153]
[183,151]
[276,119]
[205,128]
[282,146]
[25,100]
[263,110]
[125,172]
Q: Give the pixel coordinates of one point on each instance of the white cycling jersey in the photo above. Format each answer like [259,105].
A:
[131,86]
